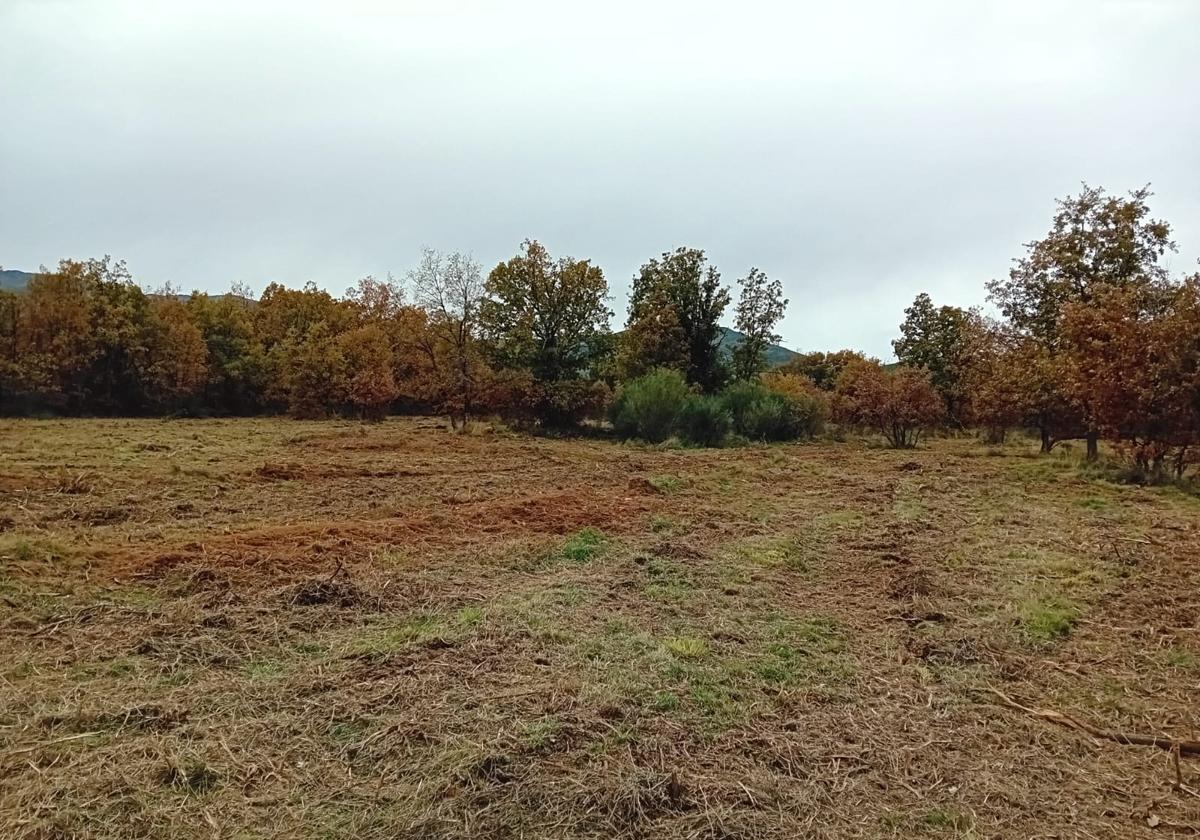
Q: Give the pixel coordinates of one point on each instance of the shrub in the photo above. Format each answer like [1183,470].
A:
[768,418]
[760,412]
[649,406]
[704,421]
[737,399]
[899,404]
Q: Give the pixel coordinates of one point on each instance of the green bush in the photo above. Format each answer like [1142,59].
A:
[809,413]
[704,421]
[768,418]
[759,413]
[649,406]
[737,399]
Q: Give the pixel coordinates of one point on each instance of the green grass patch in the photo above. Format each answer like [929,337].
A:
[541,734]
[265,669]
[803,652]
[583,545]
[23,549]
[686,647]
[950,818]
[1047,618]
[777,552]
[667,483]
[1179,658]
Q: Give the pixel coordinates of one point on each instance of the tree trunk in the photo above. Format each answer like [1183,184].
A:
[1047,441]
[1093,445]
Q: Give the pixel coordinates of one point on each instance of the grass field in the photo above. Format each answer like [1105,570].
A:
[268,628]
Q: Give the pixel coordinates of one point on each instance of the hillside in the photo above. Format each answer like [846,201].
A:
[12,280]
[776,354]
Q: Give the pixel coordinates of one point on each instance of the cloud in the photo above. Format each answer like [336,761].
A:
[861,152]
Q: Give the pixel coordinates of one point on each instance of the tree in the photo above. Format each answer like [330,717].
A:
[370,385]
[822,368]
[177,365]
[450,288]
[994,396]
[693,288]
[11,329]
[760,307]
[298,329]
[655,340]
[1096,243]
[310,374]
[236,361]
[1136,370]
[548,318]
[376,300]
[935,339]
[899,404]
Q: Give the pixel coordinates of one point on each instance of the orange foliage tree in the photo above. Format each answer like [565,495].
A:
[1133,364]
[899,404]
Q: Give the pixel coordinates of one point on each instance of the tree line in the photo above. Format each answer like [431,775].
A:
[1093,340]
[531,340]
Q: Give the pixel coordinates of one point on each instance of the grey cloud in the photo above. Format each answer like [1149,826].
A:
[862,152]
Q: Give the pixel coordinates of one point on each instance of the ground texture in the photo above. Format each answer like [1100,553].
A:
[265,628]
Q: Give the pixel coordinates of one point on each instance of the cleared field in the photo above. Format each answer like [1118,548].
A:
[268,628]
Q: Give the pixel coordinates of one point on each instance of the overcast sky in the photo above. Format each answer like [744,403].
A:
[861,152]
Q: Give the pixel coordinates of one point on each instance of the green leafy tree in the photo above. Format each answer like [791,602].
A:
[655,340]
[760,307]
[236,362]
[550,318]
[693,289]
[935,338]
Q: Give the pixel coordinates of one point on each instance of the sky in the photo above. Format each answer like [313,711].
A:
[861,152]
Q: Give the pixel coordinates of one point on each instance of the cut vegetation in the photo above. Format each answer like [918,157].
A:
[269,628]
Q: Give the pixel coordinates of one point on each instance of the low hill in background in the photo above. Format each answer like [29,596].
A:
[14,281]
[776,354]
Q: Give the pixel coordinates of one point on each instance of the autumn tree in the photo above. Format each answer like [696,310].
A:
[899,404]
[368,380]
[821,367]
[549,318]
[693,290]
[655,340]
[1133,362]
[760,307]
[299,331]
[450,288]
[11,329]
[1096,243]
[376,301]
[934,338]
[176,366]
[994,396]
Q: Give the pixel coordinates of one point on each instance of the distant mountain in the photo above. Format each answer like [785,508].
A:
[776,354]
[12,280]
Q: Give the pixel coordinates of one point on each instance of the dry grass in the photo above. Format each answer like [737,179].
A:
[266,628]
